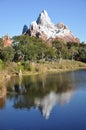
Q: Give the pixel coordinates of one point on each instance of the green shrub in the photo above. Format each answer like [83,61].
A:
[1,65]
[31,67]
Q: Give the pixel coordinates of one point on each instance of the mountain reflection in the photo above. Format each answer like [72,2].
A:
[50,100]
[42,92]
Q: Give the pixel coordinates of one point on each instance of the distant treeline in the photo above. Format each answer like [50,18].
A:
[26,48]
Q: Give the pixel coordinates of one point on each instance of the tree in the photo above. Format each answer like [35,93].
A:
[61,49]
[1,43]
[7,54]
[29,48]
[73,50]
[51,53]
[81,54]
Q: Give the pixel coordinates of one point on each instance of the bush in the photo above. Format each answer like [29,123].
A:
[31,67]
[1,65]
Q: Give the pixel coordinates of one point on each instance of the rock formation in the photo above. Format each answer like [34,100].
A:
[45,29]
[7,41]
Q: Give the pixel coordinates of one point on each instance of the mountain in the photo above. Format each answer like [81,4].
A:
[45,29]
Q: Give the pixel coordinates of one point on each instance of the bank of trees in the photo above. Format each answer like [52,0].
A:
[25,48]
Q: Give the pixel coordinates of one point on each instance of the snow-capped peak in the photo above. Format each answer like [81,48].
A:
[45,29]
[43,18]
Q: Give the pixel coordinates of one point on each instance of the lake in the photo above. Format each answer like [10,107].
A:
[44,102]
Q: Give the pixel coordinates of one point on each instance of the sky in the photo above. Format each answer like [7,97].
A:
[14,14]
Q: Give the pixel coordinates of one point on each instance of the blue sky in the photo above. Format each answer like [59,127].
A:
[15,13]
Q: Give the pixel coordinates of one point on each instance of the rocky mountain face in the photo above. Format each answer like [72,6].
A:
[45,29]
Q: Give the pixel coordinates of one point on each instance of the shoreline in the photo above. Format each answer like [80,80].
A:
[63,66]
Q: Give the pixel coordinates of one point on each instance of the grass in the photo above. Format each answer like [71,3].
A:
[65,65]
[10,69]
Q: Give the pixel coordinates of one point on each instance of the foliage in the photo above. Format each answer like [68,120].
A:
[1,43]
[1,65]
[7,54]
[61,49]
[31,49]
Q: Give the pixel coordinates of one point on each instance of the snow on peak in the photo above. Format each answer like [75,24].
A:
[43,18]
[45,29]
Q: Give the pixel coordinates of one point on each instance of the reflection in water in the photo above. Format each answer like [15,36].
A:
[50,100]
[2,96]
[32,99]
[19,89]
[43,92]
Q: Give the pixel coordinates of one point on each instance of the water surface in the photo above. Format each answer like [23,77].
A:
[44,102]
